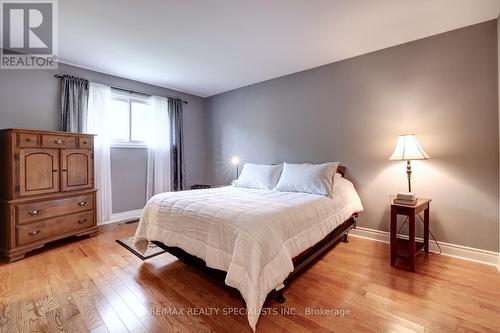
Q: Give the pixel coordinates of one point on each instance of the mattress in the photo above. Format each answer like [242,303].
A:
[249,233]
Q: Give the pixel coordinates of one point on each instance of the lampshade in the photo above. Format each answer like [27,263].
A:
[408,148]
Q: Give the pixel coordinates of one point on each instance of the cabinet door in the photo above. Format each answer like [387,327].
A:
[38,171]
[76,169]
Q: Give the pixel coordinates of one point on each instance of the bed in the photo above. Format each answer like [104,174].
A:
[259,238]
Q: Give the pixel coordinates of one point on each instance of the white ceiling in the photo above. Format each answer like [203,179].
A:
[208,47]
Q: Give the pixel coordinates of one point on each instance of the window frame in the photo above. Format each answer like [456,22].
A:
[129,98]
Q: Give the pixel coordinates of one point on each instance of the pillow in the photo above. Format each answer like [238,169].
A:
[308,178]
[261,176]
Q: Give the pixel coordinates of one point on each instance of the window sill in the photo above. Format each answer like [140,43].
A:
[128,145]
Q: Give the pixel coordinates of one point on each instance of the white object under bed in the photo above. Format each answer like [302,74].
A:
[252,234]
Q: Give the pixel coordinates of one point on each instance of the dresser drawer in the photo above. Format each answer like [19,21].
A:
[85,143]
[42,210]
[27,140]
[53,228]
[58,141]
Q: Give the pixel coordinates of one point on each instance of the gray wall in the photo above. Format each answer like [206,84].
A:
[443,88]
[30,99]
[128,178]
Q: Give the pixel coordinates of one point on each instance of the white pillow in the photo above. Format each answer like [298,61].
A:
[308,178]
[261,176]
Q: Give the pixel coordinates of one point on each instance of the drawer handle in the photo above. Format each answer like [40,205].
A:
[59,142]
[84,142]
[82,221]
[82,204]
[34,212]
[28,140]
[34,233]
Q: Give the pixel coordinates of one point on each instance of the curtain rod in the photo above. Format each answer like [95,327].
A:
[129,91]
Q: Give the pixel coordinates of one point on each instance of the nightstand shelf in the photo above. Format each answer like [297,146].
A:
[403,245]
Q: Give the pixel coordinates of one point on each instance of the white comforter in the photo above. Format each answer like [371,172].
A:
[251,234]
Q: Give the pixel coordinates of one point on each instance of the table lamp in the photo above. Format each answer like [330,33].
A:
[407,149]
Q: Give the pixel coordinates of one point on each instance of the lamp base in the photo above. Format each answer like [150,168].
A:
[405,194]
[408,173]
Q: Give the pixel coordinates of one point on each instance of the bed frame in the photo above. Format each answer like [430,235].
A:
[299,262]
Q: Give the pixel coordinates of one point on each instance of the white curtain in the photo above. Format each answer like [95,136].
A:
[98,121]
[158,173]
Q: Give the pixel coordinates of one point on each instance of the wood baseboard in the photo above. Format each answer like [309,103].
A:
[452,250]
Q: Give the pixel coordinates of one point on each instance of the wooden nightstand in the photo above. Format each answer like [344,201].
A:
[408,248]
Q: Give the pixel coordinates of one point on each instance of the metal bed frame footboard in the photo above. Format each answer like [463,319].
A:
[300,262]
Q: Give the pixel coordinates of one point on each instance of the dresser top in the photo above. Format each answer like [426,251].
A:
[43,131]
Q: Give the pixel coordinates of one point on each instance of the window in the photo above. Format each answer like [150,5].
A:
[129,125]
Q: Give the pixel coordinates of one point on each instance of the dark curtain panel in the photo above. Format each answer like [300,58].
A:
[176,144]
[74,99]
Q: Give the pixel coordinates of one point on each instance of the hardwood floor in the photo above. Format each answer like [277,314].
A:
[93,284]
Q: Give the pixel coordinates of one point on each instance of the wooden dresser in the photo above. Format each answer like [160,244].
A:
[47,189]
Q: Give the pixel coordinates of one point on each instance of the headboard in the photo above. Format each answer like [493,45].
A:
[341,170]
